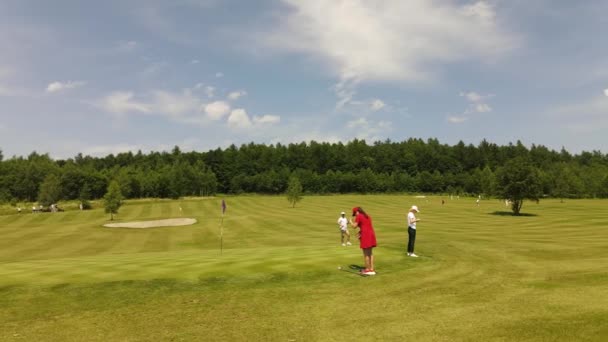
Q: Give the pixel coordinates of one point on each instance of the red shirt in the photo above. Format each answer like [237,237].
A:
[367,236]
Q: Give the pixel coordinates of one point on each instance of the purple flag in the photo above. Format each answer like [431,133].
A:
[223,207]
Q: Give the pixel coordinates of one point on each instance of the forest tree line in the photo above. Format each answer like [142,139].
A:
[413,165]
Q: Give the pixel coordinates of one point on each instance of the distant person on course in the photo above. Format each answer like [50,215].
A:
[411,230]
[343,225]
[367,238]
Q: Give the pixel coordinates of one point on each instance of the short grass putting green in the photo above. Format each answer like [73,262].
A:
[483,275]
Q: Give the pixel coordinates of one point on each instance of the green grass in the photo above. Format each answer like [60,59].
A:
[482,275]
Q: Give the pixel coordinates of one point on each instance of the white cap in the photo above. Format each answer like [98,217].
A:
[342,213]
[415,208]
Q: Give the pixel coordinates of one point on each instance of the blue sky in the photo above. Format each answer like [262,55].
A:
[102,77]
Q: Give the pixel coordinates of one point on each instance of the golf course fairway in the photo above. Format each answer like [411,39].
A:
[282,275]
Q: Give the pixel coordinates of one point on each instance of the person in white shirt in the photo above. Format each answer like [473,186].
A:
[343,225]
[411,230]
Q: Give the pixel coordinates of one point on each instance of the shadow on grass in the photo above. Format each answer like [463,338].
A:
[510,213]
[353,269]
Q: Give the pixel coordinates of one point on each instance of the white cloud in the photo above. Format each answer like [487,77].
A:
[266,119]
[477,102]
[345,91]
[365,129]
[57,86]
[195,61]
[210,91]
[606,91]
[235,95]
[472,96]
[377,104]
[175,105]
[390,39]
[122,102]
[216,110]
[482,108]
[219,75]
[480,10]
[239,119]
[457,119]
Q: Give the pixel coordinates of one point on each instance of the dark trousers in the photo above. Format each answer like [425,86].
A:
[411,233]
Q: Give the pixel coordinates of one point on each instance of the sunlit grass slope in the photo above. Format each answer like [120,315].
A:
[482,275]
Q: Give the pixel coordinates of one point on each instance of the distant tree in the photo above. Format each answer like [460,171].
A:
[30,174]
[178,178]
[487,181]
[566,183]
[294,191]
[207,181]
[85,196]
[50,190]
[113,199]
[366,181]
[592,180]
[411,165]
[72,179]
[517,180]
[603,193]
[129,182]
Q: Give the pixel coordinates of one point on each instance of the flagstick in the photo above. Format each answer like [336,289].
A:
[222,227]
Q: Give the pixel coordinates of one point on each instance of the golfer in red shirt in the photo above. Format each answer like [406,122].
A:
[367,238]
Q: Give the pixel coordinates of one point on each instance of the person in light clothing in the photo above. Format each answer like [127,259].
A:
[411,230]
[344,233]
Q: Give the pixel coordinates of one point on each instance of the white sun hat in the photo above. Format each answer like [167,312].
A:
[342,213]
[415,208]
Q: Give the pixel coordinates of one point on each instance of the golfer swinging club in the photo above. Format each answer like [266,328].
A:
[367,238]
[343,225]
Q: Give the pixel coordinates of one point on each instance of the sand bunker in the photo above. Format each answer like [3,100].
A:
[153,224]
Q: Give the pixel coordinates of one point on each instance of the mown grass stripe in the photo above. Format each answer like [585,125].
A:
[490,270]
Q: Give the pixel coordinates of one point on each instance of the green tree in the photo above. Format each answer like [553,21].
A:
[85,196]
[566,183]
[50,191]
[207,182]
[129,183]
[603,193]
[113,199]
[294,191]
[487,181]
[517,180]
